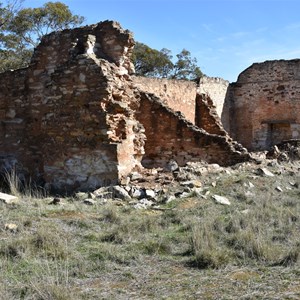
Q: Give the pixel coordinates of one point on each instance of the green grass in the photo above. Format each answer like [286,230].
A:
[196,249]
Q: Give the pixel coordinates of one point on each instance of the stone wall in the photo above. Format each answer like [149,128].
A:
[171,136]
[179,95]
[263,106]
[207,117]
[75,119]
[68,120]
[216,89]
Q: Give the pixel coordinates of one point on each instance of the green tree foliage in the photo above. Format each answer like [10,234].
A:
[186,67]
[21,29]
[149,62]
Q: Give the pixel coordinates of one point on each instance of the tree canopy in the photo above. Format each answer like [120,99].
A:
[150,62]
[21,29]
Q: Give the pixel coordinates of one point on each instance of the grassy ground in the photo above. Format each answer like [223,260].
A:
[193,248]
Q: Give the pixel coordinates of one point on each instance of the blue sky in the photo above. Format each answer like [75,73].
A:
[226,36]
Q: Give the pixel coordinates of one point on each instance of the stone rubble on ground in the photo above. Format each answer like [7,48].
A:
[221,199]
[11,227]
[264,172]
[8,199]
[149,188]
[56,201]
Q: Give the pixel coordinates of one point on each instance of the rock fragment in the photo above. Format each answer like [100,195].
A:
[221,199]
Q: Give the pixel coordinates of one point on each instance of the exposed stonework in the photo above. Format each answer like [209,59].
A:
[207,117]
[68,118]
[262,107]
[171,136]
[216,89]
[75,120]
[179,95]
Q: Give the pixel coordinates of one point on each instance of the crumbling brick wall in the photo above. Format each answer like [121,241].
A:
[216,89]
[171,136]
[207,117]
[75,120]
[68,118]
[262,107]
[179,95]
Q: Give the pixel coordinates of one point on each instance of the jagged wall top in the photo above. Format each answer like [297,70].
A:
[273,70]
[105,40]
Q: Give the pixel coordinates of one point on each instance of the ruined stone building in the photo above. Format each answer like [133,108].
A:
[262,108]
[76,119]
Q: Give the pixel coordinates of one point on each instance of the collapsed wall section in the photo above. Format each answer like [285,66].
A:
[171,136]
[179,95]
[215,88]
[207,117]
[75,120]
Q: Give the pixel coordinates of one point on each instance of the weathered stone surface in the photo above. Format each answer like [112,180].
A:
[262,108]
[215,88]
[207,117]
[68,118]
[8,199]
[180,95]
[221,199]
[120,192]
[171,136]
[265,172]
[74,120]
[11,227]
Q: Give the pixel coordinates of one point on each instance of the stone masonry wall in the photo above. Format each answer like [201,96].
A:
[207,117]
[216,89]
[171,136]
[263,106]
[68,119]
[75,119]
[179,95]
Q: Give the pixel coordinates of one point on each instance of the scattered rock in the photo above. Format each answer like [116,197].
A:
[136,176]
[264,172]
[191,183]
[81,196]
[279,189]
[185,195]
[143,204]
[55,201]
[101,193]
[170,199]
[197,190]
[89,201]
[8,199]
[295,184]
[137,193]
[120,192]
[150,194]
[172,166]
[11,227]
[251,185]
[273,153]
[221,199]
[207,193]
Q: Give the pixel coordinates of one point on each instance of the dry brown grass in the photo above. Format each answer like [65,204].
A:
[203,250]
